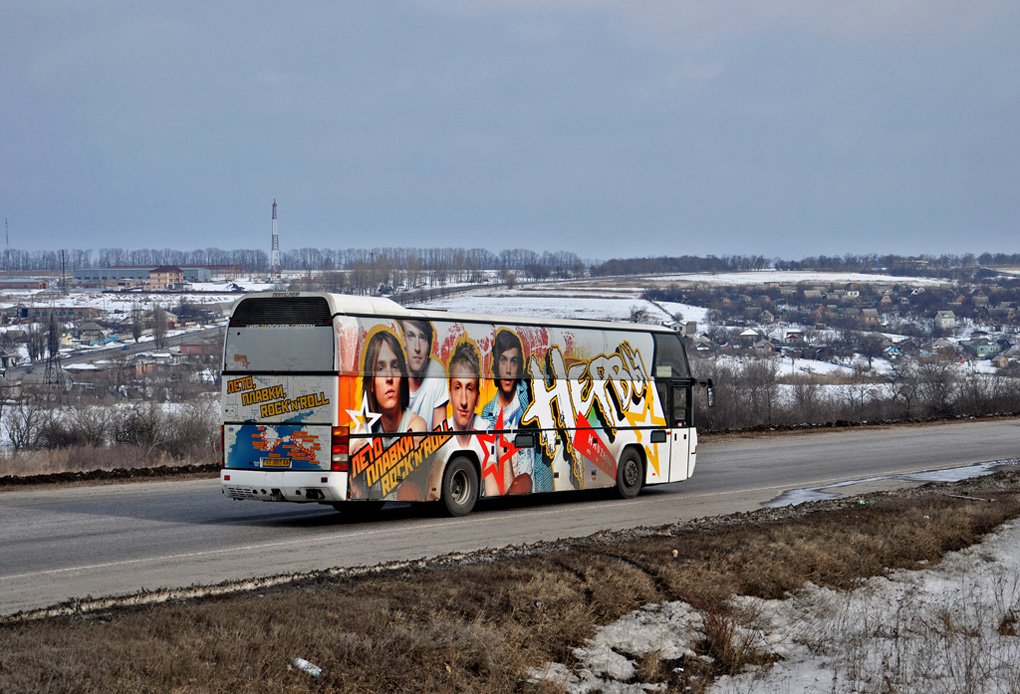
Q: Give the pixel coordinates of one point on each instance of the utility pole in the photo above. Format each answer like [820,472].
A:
[56,379]
[274,260]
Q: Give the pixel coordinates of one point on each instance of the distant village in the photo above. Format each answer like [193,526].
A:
[975,319]
[51,316]
[827,321]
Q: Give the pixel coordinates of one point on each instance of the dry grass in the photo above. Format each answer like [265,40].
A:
[77,459]
[478,626]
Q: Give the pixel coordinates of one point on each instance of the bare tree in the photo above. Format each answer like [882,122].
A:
[159,326]
[413,271]
[858,391]
[24,421]
[144,424]
[193,431]
[91,424]
[760,377]
[806,397]
[937,385]
[137,323]
[903,383]
[871,346]
[638,314]
[334,281]
[508,277]
[36,342]
[361,278]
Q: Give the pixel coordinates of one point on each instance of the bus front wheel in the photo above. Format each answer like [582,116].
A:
[460,487]
[630,474]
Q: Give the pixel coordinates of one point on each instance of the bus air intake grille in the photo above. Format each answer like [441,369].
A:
[291,310]
[241,493]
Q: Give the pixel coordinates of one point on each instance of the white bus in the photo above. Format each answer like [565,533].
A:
[354,401]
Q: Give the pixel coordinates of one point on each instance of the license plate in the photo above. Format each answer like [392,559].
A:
[276,462]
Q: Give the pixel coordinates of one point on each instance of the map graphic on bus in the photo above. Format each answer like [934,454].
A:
[259,445]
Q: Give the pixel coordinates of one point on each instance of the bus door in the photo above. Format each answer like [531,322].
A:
[675,396]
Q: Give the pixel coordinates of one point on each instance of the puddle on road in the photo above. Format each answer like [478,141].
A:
[793,497]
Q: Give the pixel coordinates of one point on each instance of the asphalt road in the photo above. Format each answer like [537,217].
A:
[74,542]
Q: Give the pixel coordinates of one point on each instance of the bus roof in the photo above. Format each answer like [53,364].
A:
[380,306]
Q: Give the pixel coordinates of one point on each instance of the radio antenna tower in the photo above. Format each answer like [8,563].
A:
[274,261]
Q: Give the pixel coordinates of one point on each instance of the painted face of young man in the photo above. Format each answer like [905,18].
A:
[416,343]
[509,370]
[463,395]
[386,379]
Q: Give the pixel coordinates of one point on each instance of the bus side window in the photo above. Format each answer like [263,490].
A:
[663,398]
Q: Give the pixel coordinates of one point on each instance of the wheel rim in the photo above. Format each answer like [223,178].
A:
[630,473]
[459,487]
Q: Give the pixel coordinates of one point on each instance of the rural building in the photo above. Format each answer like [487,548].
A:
[127,275]
[63,313]
[982,348]
[166,277]
[207,347]
[23,284]
[945,320]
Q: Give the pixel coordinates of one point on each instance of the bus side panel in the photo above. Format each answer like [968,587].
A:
[581,397]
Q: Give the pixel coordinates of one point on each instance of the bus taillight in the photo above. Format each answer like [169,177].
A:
[339,448]
[223,453]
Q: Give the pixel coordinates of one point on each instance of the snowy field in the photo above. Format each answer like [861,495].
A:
[120,305]
[567,299]
[932,630]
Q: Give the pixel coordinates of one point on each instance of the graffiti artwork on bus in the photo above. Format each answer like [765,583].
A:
[473,387]
[571,404]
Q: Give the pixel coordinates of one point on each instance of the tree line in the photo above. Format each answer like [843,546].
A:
[917,265]
[558,263]
[460,260]
[753,393]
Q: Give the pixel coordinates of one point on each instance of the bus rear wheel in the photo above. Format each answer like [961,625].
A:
[630,474]
[460,487]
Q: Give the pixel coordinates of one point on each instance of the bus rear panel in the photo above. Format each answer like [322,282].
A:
[280,399]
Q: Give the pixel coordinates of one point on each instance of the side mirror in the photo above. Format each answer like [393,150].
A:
[709,391]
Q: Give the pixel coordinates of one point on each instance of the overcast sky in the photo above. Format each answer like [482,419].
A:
[607,128]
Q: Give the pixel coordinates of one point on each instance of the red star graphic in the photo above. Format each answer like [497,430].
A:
[506,450]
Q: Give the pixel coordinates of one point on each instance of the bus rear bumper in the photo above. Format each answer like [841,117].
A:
[279,485]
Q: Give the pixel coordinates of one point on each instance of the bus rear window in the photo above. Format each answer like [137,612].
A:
[280,334]
[283,310]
